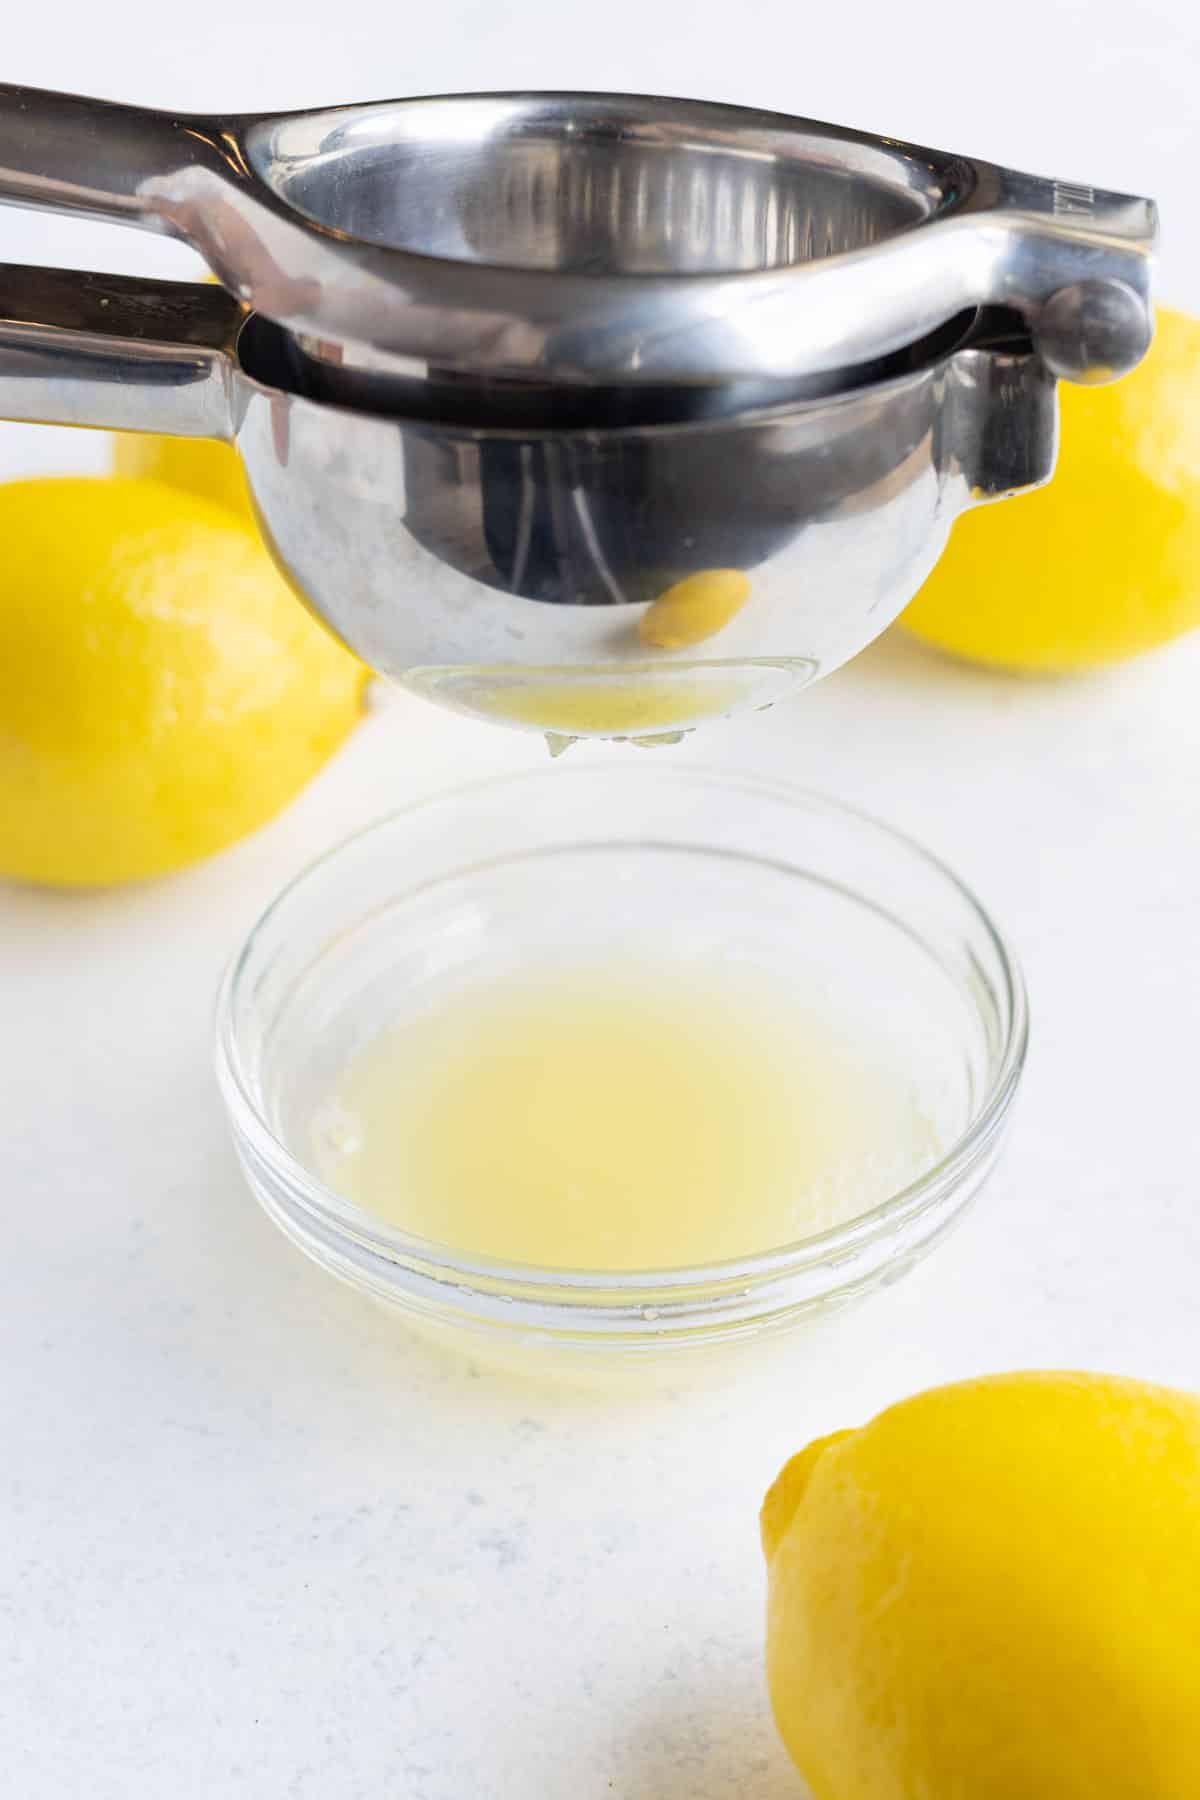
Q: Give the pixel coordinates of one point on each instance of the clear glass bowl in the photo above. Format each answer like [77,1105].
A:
[601,860]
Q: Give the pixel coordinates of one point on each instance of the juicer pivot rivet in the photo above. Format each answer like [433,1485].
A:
[1093,331]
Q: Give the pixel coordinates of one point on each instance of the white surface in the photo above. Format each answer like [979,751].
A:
[252,1540]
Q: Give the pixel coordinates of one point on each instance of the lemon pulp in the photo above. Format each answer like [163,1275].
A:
[622,1115]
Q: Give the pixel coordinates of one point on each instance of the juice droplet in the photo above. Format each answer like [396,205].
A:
[658,740]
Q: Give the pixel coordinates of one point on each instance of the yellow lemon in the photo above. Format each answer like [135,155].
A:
[162,690]
[1105,561]
[195,465]
[992,1592]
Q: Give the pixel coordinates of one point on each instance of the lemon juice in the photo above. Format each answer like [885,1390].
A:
[623,1114]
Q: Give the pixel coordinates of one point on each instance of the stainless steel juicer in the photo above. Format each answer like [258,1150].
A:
[507,371]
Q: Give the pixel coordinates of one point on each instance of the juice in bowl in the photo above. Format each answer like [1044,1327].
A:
[626,1115]
[589,1069]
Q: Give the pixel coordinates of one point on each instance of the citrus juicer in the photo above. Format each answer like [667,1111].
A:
[600,414]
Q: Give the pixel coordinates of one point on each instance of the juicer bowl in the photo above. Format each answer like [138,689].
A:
[531,574]
[528,575]
[596,184]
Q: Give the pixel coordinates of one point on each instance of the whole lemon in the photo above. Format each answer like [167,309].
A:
[196,465]
[992,1592]
[162,690]
[1103,562]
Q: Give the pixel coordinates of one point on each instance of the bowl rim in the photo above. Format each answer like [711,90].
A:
[545,1284]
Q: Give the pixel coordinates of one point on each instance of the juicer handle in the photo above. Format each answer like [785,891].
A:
[116,352]
[1074,261]
[65,153]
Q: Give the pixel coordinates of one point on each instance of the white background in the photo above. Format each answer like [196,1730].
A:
[252,1540]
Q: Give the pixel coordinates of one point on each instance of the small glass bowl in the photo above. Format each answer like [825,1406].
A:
[599,860]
